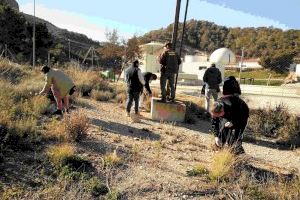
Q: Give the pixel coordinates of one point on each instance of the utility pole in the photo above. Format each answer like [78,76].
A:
[93,57]
[182,38]
[175,27]
[241,65]
[33,38]
[69,49]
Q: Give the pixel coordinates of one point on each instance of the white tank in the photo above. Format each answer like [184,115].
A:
[223,56]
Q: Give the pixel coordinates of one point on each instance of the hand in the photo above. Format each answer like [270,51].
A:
[218,142]
[228,125]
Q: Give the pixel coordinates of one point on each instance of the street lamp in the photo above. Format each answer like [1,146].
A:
[33,38]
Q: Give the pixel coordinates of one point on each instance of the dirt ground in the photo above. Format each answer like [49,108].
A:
[155,156]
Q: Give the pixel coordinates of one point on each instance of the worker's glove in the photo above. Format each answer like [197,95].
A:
[228,125]
[218,142]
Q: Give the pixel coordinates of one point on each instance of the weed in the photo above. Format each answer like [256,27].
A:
[96,187]
[13,192]
[112,159]
[197,170]
[58,153]
[113,195]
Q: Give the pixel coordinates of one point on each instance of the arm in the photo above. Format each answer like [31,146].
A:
[205,77]
[163,59]
[219,77]
[141,77]
[46,86]
[215,126]
[179,60]
[148,88]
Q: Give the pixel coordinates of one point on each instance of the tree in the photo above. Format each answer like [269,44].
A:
[13,32]
[279,61]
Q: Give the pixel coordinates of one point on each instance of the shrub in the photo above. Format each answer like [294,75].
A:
[102,95]
[40,105]
[10,72]
[76,126]
[275,123]
[121,98]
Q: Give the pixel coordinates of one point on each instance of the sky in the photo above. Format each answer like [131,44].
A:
[136,17]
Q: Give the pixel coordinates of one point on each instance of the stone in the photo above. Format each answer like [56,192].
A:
[169,112]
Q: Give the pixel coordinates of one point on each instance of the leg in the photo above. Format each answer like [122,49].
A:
[129,101]
[136,97]
[66,103]
[58,98]
[207,99]
[214,94]
[163,81]
[171,78]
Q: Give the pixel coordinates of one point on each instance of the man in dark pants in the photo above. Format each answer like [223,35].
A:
[229,117]
[170,62]
[135,82]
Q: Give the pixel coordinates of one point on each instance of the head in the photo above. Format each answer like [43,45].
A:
[213,65]
[135,63]
[168,45]
[218,109]
[45,69]
[153,77]
[231,86]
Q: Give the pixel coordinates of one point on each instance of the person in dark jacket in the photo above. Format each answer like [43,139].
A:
[229,117]
[170,62]
[135,82]
[212,79]
[148,77]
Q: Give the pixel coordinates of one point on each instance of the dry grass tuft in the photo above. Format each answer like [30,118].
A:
[102,95]
[223,165]
[197,170]
[112,159]
[60,152]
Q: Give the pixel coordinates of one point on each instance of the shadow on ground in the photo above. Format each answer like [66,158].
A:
[125,130]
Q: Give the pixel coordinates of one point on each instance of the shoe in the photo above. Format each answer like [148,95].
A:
[172,100]
[58,112]
[162,100]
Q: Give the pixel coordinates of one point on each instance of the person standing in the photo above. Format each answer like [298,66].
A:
[212,79]
[170,62]
[148,77]
[61,86]
[135,82]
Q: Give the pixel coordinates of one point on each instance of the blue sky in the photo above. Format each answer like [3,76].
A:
[94,17]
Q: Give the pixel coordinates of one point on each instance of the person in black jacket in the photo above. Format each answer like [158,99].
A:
[148,77]
[229,117]
[212,79]
[170,62]
[135,82]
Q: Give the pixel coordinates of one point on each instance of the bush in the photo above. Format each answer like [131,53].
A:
[76,126]
[96,187]
[10,72]
[102,95]
[58,153]
[276,123]
[112,159]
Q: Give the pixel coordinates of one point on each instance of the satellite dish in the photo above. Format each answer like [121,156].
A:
[223,56]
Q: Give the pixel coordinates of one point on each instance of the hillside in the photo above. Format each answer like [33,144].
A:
[207,37]
[49,37]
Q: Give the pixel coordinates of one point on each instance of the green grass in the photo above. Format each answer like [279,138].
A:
[257,74]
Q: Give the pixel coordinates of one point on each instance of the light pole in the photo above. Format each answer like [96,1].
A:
[241,65]
[33,38]
[175,28]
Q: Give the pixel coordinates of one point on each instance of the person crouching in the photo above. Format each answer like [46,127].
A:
[229,117]
[61,86]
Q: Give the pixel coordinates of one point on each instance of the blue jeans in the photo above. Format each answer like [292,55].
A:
[163,81]
[133,96]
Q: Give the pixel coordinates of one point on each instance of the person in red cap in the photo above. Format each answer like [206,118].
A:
[229,117]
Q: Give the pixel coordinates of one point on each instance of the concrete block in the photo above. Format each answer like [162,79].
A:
[170,112]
